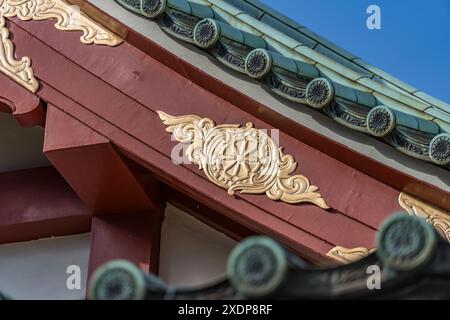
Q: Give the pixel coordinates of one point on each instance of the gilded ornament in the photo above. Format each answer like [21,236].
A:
[18,70]
[69,18]
[345,255]
[437,217]
[242,159]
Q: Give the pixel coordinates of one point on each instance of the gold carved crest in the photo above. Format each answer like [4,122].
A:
[18,70]
[242,159]
[437,217]
[68,18]
[349,255]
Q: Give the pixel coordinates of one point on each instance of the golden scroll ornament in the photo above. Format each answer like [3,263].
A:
[346,256]
[69,18]
[437,217]
[18,70]
[243,159]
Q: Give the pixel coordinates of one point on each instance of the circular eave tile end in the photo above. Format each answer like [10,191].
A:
[153,8]
[257,267]
[440,149]
[206,33]
[319,93]
[380,121]
[117,280]
[258,63]
[406,242]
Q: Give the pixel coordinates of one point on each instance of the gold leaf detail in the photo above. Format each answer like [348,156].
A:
[437,217]
[242,159]
[346,256]
[18,70]
[68,18]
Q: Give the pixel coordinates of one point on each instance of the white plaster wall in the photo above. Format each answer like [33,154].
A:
[192,253]
[37,269]
[20,148]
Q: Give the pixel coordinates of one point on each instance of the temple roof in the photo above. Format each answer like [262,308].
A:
[303,67]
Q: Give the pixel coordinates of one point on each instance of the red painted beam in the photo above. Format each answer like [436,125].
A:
[25,106]
[392,177]
[38,203]
[121,107]
[91,165]
[134,237]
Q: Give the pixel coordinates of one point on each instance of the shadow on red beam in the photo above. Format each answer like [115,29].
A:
[92,167]
[25,106]
[38,203]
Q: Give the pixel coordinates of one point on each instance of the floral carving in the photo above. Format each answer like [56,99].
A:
[345,255]
[242,159]
[18,70]
[69,18]
[380,121]
[439,218]
[319,93]
[440,149]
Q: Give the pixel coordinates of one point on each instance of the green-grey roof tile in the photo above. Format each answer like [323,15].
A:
[345,92]
[246,7]
[445,116]
[333,55]
[336,77]
[406,120]
[365,98]
[181,5]
[232,10]
[403,98]
[445,126]
[275,14]
[330,63]
[385,75]
[286,51]
[232,33]
[396,105]
[428,126]
[200,10]
[203,2]
[434,101]
[269,31]
[235,22]
[328,44]
[276,30]
[294,34]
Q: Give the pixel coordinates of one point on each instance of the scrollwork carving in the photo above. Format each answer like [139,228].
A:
[345,255]
[437,217]
[242,159]
[68,18]
[18,70]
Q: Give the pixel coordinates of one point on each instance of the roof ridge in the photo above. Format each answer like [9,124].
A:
[414,92]
[357,99]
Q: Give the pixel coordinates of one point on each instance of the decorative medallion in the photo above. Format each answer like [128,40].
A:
[258,63]
[69,18]
[439,218]
[206,33]
[380,121]
[319,93]
[345,256]
[152,8]
[440,149]
[242,159]
[18,70]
